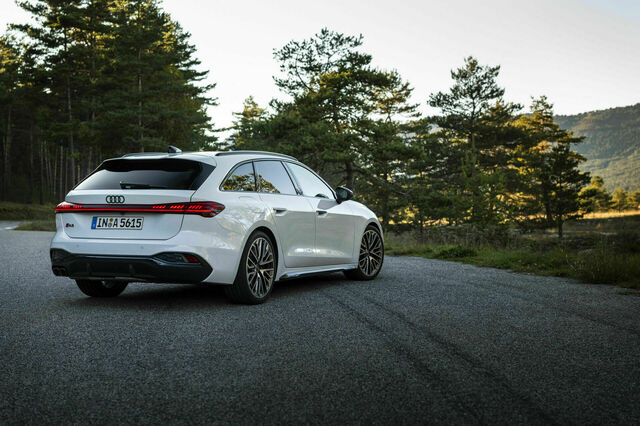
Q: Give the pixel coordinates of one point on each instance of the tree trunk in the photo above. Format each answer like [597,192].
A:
[6,153]
[31,171]
[560,222]
[350,174]
[41,175]
[89,161]
[61,173]
[70,137]
[547,209]
[140,133]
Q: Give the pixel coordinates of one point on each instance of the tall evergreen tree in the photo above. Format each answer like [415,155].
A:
[476,124]
[550,167]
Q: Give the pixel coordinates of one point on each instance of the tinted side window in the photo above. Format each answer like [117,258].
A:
[241,179]
[147,174]
[310,184]
[273,178]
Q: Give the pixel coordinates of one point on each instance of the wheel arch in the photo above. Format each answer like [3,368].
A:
[271,235]
[265,227]
[375,224]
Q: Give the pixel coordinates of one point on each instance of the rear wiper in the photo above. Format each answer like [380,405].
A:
[129,185]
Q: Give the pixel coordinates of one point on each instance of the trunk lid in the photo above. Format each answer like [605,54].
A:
[149,193]
[155,226]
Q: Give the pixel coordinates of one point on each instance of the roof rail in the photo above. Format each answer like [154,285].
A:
[143,154]
[224,153]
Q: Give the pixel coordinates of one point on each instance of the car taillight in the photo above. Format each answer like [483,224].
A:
[204,208]
[64,206]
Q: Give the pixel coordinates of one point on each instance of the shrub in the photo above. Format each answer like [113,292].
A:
[455,252]
[606,265]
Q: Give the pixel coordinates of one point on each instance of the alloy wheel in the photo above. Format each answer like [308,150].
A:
[260,267]
[370,259]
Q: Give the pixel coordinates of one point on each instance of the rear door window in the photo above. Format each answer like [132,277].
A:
[241,179]
[273,178]
[147,174]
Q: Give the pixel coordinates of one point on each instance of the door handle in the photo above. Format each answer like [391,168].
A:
[279,210]
[321,212]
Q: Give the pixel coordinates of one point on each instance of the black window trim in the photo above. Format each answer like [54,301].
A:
[293,182]
[299,187]
[233,169]
[205,171]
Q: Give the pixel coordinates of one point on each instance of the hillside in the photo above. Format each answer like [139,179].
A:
[612,144]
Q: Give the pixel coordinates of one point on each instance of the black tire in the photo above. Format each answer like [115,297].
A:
[97,288]
[369,268]
[253,283]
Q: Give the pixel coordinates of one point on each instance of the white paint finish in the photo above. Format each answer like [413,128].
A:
[306,241]
[335,227]
[155,226]
[295,224]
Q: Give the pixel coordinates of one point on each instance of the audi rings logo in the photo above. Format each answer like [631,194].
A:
[115,199]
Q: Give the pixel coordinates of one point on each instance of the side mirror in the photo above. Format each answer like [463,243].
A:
[343,194]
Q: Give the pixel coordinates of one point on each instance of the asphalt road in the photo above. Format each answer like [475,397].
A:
[428,342]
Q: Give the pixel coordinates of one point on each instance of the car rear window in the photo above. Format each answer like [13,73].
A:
[147,174]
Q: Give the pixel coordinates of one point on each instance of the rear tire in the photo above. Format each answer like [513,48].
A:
[97,288]
[256,272]
[371,256]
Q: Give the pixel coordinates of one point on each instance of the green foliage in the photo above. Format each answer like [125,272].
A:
[91,79]
[587,255]
[611,145]
[476,126]
[595,197]
[620,200]
[38,225]
[17,211]
[605,264]
[550,166]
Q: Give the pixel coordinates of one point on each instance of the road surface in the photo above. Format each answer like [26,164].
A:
[428,341]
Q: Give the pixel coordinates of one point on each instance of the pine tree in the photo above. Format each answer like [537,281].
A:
[620,200]
[334,90]
[550,167]
[154,98]
[9,89]
[595,197]
[476,125]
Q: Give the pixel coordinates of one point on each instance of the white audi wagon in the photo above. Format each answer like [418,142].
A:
[243,219]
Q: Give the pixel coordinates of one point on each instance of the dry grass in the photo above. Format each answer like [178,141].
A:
[597,250]
[611,214]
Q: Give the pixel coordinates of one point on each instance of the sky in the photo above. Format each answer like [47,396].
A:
[583,54]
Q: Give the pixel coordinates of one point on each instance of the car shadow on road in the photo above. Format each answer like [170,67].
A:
[309,284]
[195,297]
[159,297]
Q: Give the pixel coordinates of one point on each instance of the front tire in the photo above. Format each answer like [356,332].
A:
[371,256]
[97,288]
[256,272]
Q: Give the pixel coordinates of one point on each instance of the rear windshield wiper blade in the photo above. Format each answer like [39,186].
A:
[129,185]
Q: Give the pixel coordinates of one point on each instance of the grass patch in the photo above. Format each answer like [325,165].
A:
[552,263]
[590,256]
[17,211]
[38,225]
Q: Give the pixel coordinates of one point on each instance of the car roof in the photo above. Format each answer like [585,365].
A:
[210,157]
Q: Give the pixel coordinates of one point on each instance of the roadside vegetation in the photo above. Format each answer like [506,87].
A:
[600,250]
[32,217]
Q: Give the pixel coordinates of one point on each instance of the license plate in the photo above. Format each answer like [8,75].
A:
[111,222]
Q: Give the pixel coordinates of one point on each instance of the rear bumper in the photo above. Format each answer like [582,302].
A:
[130,268]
